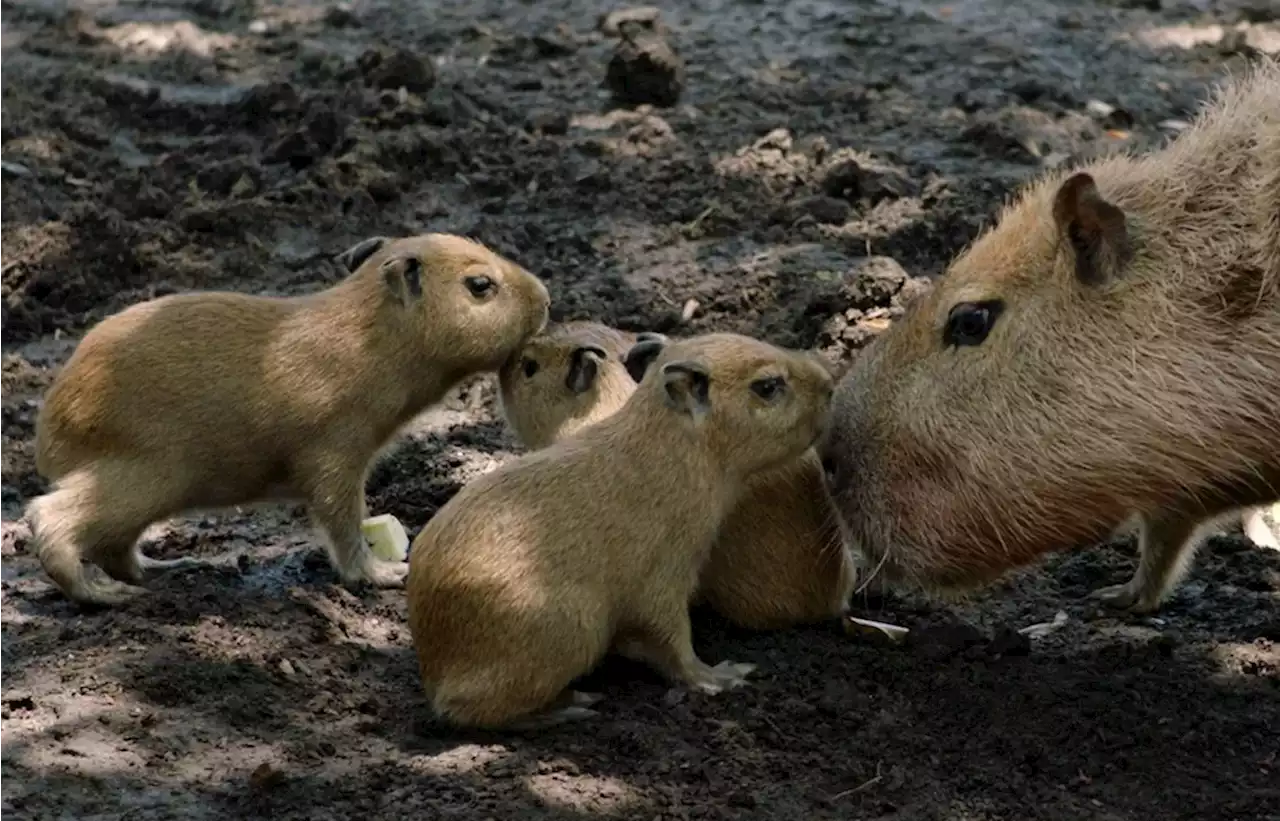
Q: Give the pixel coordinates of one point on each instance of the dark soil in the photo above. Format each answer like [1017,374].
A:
[819,152]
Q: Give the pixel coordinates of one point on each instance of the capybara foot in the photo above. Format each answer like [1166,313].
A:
[380,574]
[100,590]
[727,675]
[1125,597]
[573,706]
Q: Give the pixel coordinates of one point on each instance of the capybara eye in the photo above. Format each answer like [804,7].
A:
[769,387]
[970,322]
[479,285]
[530,368]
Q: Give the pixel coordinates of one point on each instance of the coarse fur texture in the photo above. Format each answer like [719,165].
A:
[527,577]
[207,400]
[1110,351]
[779,560]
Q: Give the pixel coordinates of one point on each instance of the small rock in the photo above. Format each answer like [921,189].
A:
[645,69]
[612,22]
[286,668]
[873,283]
[341,16]
[864,179]
[548,122]
[391,68]
[265,776]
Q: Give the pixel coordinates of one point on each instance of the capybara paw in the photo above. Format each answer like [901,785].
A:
[733,674]
[577,698]
[106,592]
[382,574]
[1125,597]
[726,675]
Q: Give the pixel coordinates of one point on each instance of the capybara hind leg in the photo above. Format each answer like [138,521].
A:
[335,498]
[1166,545]
[666,644]
[67,520]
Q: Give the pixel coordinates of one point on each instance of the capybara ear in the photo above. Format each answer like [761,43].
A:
[651,336]
[584,367]
[641,356]
[688,387]
[403,275]
[355,256]
[1095,229]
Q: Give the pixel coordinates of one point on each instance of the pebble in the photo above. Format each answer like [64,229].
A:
[645,68]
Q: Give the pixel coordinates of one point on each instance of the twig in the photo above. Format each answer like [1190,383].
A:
[865,785]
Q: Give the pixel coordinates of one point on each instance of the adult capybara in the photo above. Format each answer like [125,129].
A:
[1109,352]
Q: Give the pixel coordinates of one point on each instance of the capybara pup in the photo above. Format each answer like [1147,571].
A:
[1110,350]
[779,560]
[207,400]
[566,378]
[531,573]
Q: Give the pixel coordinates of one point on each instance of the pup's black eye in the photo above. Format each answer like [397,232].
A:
[970,322]
[530,368]
[479,285]
[769,387]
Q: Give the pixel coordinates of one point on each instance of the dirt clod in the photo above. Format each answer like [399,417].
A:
[394,68]
[644,69]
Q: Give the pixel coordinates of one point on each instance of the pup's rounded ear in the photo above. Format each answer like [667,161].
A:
[584,368]
[641,356]
[355,256]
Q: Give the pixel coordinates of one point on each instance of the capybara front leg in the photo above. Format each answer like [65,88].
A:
[1166,543]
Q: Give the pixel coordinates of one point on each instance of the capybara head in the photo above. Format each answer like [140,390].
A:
[756,404]
[460,297]
[1098,353]
[567,377]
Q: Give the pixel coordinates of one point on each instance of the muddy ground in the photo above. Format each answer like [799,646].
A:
[151,146]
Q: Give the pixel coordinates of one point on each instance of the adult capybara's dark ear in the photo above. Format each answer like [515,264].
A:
[1095,230]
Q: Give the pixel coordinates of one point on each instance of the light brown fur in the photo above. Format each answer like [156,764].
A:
[566,378]
[779,560]
[1133,372]
[209,400]
[530,574]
